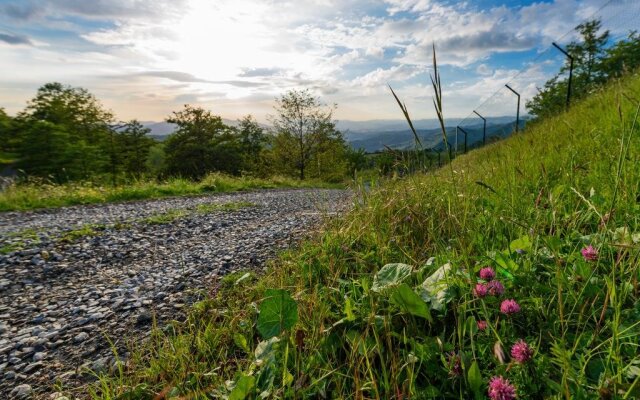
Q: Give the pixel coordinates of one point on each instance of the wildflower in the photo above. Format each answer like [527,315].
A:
[501,389]
[487,274]
[495,288]
[482,325]
[589,253]
[521,352]
[480,290]
[509,306]
[455,364]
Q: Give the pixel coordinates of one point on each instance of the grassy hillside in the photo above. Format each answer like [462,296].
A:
[553,212]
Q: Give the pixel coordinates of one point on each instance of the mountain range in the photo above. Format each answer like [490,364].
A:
[376,135]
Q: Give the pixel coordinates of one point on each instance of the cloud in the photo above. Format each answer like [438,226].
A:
[381,77]
[95,9]
[172,75]
[14,39]
[260,72]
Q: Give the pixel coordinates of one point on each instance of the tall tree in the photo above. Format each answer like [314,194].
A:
[134,144]
[202,143]
[252,141]
[71,112]
[300,117]
[6,130]
[588,54]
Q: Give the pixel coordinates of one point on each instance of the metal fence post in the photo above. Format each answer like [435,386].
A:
[570,72]
[518,109]
[484,128]
[465,138]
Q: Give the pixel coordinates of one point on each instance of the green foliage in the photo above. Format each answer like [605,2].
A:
[134,149]
[390,275]
[278,311]
[64,133]
[199,145]
[409,302]
[306,142]
[594,65]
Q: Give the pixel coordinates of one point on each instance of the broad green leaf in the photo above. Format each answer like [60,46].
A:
[435,289]
[475,378]
[241,342]
[408,301]
[523,243]
[244,387]
[390,275]
[277,313]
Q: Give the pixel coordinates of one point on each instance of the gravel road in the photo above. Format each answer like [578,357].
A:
[78,275]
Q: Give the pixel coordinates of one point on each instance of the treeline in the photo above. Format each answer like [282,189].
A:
[595,62]
[65,134]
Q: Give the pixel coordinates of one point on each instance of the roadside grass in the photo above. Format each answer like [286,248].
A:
[553,212]
[19,240]
[175,214]
[40,194]
[86,230]
[165,217]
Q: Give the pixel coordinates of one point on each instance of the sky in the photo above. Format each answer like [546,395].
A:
[145,59]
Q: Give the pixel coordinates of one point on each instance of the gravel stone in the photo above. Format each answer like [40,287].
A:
[21,391]
[63,304]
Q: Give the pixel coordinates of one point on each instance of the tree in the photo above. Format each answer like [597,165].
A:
[594,64]
[201,144]
[252,140]
[622,57]
[63,111]
[134,145]
[588,53]
[6,130]
[155,163]
[300,120]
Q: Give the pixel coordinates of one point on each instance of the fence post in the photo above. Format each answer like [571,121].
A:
[465,138]
[484,128]
[570,72]
[518,109]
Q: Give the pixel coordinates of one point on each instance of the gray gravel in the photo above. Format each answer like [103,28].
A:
[59,301]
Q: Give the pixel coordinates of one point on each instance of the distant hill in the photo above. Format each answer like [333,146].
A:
[374,135]
[400,139]
[160,130]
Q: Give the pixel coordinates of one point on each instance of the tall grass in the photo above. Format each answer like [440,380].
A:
[526,207]
[40,194]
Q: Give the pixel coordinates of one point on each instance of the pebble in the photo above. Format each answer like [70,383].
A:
[60,300]
[80,337]
[21,391]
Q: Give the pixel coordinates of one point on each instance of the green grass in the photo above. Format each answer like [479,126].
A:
[525,207]
[19,240]
[34,195]
[87,230]
[165,217]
